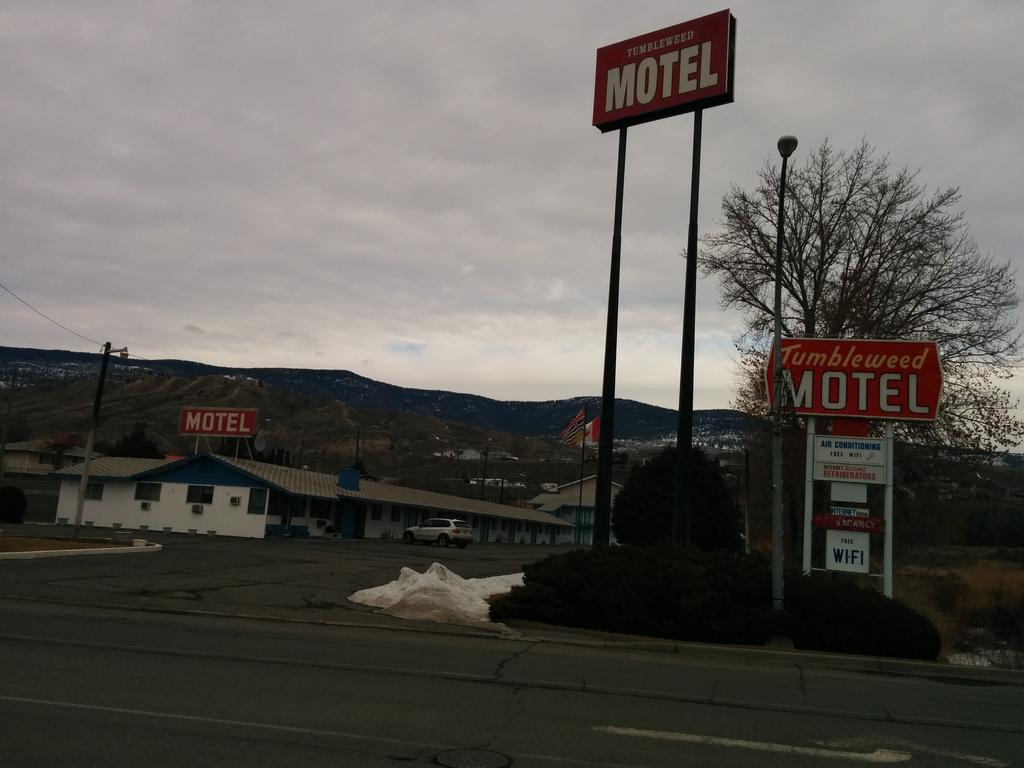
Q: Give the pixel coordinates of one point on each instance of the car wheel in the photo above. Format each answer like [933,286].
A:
[409,538]
[443,540]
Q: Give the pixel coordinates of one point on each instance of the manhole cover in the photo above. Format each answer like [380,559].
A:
[473,758]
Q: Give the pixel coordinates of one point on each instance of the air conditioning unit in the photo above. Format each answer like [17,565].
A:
[236,501]
[197,509]
[144,506]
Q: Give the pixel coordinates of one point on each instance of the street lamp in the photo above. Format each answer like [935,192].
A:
[787,145]
[84,483]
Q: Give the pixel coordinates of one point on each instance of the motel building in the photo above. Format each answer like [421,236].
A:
[221,496]
[565,504]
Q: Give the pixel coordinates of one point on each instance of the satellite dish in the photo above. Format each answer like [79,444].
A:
[259,442]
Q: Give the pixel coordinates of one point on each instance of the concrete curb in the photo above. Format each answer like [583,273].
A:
[39,554]
[809,659]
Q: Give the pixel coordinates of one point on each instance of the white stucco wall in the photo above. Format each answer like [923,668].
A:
[172,511]
[376,528]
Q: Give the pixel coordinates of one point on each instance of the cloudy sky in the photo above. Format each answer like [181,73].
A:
[414,191]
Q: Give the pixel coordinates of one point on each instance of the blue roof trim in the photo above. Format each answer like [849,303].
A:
[222,473]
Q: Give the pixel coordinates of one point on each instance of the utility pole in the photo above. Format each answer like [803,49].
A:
[483,479]
[3,436]
[87,464]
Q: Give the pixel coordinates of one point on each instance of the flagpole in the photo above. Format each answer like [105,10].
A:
[583,457]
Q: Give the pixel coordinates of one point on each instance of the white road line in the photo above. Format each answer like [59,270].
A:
[216,721]
[877,756]
[865,741]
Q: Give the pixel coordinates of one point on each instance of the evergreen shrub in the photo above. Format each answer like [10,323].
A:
[12,504]
[658,591]
[720,597]
[831,614]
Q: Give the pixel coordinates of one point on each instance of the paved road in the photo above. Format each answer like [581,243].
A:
[306,579]
[99,687]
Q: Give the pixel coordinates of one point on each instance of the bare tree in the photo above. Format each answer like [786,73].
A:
[869,254]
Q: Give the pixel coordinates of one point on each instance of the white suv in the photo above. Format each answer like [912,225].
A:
[443,530]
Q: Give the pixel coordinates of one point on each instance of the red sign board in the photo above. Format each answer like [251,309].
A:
[218,422]
[850,523]
[866,378]
[674,70]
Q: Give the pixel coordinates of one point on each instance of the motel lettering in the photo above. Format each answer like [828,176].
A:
[676,72]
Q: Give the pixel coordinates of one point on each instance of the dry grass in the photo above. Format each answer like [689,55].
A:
[988,579]
[26,544]
[975,606]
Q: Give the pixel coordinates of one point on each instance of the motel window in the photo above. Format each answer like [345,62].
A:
[321,509]
[504,525]
[200,494]
[375,511]
[47,458]
[257,501]
[396,514]
[94,491]
[147,491]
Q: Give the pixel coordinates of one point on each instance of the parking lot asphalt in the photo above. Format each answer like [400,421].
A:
[309,581]
[300,579]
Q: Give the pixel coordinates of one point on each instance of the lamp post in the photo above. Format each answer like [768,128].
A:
[787,145]
[86,465]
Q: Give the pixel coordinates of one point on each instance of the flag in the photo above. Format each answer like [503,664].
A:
[592,432]
[573,432]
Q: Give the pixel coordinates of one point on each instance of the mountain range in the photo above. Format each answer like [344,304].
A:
[543,419]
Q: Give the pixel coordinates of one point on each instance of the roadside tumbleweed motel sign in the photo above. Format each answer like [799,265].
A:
[678,69]
[860,379]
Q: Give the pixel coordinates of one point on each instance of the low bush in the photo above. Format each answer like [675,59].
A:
[830,614]
[658,591]
[12,504]
[722,597]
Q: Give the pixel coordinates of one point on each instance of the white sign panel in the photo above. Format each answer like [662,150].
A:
[849,473]
[850,492]
[836,449]
[847,551]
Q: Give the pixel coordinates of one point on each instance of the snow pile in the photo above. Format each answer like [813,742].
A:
[437,594]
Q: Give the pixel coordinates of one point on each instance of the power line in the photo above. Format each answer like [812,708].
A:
[61,325]
[41,314]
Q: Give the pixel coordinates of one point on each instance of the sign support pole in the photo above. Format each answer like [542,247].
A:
[603,497]
[684,434]
[808,494]
[887,558]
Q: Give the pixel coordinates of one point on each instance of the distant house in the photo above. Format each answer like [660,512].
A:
[564,502]
[39,457]
[236,497]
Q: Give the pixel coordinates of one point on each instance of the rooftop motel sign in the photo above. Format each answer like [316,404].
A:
[218,422]
[867,378]
[674,70]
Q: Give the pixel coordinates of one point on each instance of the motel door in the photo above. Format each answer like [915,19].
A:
[411,517]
